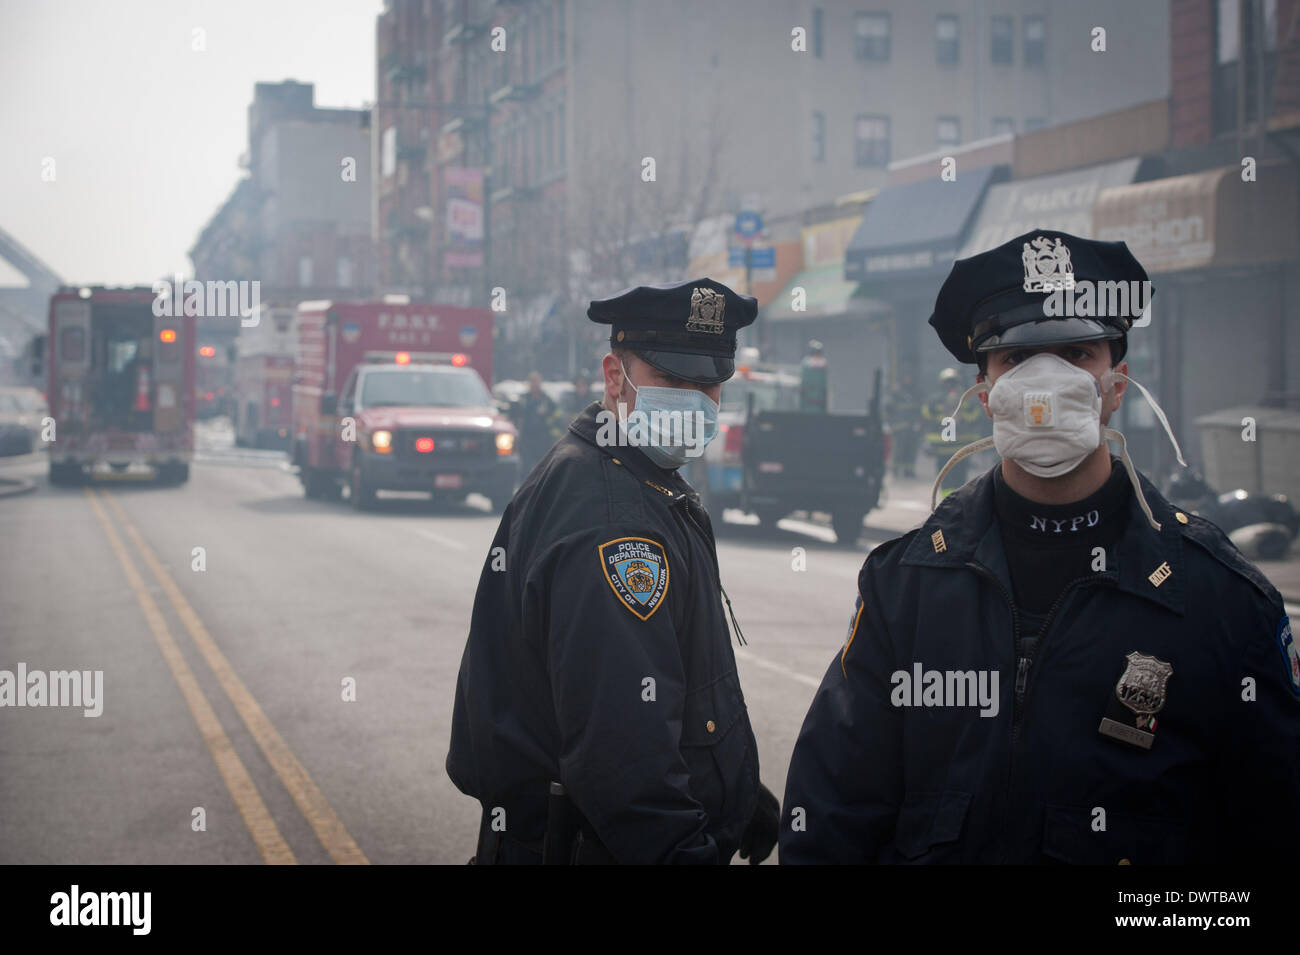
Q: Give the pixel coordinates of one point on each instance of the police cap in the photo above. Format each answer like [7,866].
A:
[1040,288]
[687,330]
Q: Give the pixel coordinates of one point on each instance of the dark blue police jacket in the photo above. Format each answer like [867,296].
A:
[599,657]
[1180,649]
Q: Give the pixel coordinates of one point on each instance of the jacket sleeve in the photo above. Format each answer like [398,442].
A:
[845,779]
[618,685]
[1260,787]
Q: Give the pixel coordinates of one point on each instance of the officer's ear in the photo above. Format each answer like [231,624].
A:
[613,372]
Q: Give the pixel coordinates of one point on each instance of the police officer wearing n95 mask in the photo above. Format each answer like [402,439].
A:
[1058,666]
[598,714]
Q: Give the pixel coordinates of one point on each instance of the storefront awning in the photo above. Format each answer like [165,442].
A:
[826,294]
[914,230]
[1207,219]
[1061,201]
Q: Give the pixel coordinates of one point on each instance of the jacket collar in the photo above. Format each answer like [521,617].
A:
[1143,562]
[595,429]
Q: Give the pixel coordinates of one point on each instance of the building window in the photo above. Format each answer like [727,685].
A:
[344,272]
[1002,40]
[871,37]
[818,136]
[947,41]
[388,152]
[1235,29]
[1033,123]
[1035,41]
[1002,125]
[817,32]
[871,141]
[560,135]
[304,271]
[947,131]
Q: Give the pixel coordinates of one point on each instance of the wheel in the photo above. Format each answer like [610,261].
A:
[173,473]
[311,482]
[362,495]
[64,475]
[847,526]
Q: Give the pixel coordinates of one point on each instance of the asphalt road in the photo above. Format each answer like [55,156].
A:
[223,687]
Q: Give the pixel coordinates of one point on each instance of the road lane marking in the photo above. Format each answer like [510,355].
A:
[438,538]
[311,801]
[261,826]
[751,657]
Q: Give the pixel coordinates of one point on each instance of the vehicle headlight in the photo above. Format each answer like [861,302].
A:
[382,441]
[505,442]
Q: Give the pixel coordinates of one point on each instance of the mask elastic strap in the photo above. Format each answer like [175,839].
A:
[975,447]
[979,386]
[1159,414]
[1114,435]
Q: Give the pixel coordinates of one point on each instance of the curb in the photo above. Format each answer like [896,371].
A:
[12,487]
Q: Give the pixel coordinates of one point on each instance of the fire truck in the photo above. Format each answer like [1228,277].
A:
[121,385]
[395,397]
[264,381]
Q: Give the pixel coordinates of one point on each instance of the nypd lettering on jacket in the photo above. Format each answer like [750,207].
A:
[924,687]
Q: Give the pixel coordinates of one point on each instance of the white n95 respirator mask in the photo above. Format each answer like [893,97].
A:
[1047,414]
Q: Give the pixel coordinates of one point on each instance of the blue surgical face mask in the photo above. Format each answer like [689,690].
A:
[679,422]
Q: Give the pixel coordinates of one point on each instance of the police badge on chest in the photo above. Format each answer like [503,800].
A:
[1138,696]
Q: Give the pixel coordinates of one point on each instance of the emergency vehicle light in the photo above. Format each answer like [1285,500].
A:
[167,335]
[458,359]
[402,358]
[424,445]
[207,351]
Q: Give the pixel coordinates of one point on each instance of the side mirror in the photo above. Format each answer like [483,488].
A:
[329,403]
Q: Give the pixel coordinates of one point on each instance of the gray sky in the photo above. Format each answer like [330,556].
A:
[145,131]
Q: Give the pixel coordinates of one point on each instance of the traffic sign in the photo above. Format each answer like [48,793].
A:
[762,258]
[735,256]
[748,224]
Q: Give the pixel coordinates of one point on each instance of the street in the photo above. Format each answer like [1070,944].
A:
[223,688]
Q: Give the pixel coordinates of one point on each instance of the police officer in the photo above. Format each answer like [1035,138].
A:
[813,385]
[598,713]
[1058,666]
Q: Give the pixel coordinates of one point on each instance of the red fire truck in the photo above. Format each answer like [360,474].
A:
[395,397]
[121,385]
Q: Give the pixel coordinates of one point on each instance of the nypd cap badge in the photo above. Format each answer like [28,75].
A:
[1047,265]
[1141,692]
[637,571]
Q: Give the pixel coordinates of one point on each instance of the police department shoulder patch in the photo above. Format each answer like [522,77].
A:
[637,571]
[1289,652]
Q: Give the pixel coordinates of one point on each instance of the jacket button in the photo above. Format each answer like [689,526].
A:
[1124,862]
[710,726]
[1182,518]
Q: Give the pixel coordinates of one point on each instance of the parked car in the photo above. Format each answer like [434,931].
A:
[21,412]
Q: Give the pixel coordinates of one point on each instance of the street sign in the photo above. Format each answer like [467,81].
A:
[762,258]
[735,256]
[748,224]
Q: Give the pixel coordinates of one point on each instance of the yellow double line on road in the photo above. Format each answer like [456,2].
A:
[261,826]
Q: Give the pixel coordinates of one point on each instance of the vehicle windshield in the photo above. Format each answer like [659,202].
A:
[459,388]
[768,395]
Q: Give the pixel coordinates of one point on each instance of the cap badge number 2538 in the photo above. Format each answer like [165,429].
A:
[706,311]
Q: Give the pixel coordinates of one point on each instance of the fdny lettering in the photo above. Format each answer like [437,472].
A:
[636,569]
[1091,519]
[400,320]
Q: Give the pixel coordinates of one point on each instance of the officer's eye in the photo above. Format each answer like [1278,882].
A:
[1076,353]
[1015,357]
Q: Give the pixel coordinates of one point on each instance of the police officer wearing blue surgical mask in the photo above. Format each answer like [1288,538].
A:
[1058,666]
[598,714]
